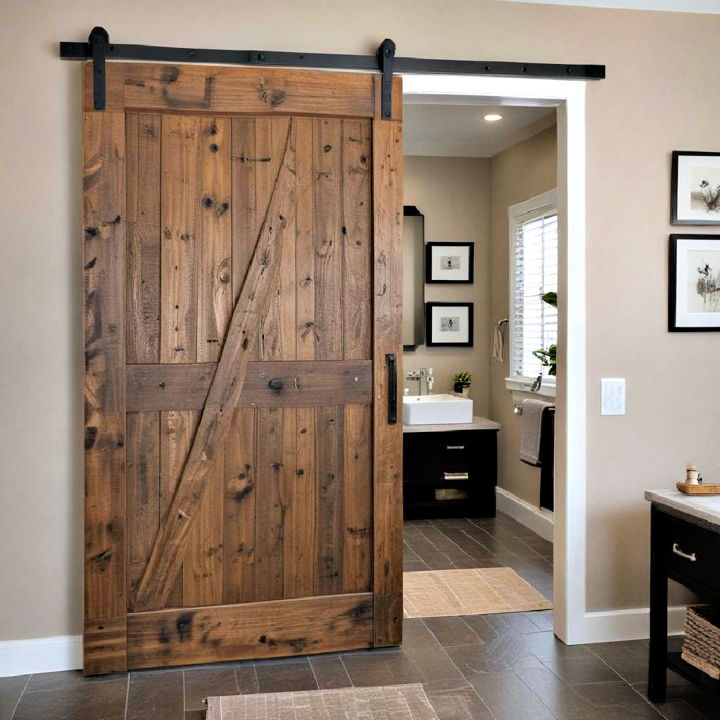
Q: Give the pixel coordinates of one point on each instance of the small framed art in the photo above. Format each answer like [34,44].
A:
[694,297]
[695,188]
[449,324]
[447,262]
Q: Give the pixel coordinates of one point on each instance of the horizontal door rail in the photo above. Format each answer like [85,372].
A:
[288,383]
[99,48]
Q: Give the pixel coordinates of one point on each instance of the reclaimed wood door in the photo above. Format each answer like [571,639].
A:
[242,233]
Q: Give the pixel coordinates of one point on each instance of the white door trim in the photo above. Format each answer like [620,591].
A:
[568,96]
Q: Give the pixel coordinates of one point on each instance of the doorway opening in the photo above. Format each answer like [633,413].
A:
[495,184]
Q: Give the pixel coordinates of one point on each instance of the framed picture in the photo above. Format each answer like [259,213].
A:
[695,198]
[449,262]
[694,297]
[449,324]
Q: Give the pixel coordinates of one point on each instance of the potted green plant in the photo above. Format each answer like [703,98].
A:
[461,383]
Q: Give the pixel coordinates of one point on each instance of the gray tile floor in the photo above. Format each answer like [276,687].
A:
[506,667]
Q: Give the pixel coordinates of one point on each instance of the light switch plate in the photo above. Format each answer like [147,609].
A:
[613,396]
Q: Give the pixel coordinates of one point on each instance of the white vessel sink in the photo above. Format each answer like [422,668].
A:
[436,410]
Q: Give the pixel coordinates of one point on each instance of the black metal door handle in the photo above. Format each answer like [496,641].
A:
[392,388]
[275,384]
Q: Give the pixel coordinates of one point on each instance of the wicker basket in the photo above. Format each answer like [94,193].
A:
[701,647]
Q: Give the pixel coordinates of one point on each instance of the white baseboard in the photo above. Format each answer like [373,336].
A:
[39,655]
[633,624]
[537,519]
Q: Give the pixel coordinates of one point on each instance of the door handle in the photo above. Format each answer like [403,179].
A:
[391,359]
[688,556]
[275,384]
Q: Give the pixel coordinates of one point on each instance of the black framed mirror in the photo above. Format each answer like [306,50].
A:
[413,325]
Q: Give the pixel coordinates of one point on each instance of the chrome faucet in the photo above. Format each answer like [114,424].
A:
[427,373]
[415,375]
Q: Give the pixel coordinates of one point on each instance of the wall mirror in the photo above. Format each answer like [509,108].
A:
[413,325]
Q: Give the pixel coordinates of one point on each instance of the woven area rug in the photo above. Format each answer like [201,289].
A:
[399,702]
[478,591]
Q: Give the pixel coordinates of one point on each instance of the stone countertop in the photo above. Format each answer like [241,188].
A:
[702,508]
[478,423]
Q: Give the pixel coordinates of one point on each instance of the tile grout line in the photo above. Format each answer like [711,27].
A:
[627,682]
[312,669]
[342,662]
[20,697]
[462,550]
[452,662]
[184,694]
[127,696]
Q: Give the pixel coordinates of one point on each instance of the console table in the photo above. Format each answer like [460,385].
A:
[685,547]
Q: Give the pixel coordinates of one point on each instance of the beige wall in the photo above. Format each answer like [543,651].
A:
[516,174]
[453,195]
[658,96]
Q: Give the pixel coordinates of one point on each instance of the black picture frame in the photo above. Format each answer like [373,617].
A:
[672,283]
[430,341]
[674,219]
[428,263]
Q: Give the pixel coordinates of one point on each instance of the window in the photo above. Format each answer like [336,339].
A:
[533,272]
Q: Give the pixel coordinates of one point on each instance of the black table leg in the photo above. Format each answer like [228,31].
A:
[657,673]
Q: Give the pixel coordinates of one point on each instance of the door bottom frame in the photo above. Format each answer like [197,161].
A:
[570,531]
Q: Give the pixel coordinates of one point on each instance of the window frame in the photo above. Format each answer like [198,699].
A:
[519,213]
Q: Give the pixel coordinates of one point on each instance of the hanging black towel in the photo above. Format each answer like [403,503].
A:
[547,459]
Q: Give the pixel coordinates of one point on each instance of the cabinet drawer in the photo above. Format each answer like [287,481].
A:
[692,551]
[433,457]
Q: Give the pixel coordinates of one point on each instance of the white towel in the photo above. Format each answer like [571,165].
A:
[532,411]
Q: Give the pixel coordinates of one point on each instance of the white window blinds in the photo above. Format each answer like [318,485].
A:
[534,249]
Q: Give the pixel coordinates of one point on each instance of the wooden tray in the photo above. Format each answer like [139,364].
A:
[690,489]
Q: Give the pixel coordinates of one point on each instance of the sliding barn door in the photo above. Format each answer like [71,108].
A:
[242,307]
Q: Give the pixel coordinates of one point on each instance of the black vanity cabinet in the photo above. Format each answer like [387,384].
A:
[450,472]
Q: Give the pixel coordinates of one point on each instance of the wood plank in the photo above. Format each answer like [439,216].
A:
[278,330]
[215,297]
[300,510]
[143,492]
[278,628]
[327,230]
[357,499]
[203,562]
[239,508]
[185,387]
[180,204]
[143,237]
[304,242]
[329,438]
[104,387]
[232,90]
[268,505]
[104,646]
[177,432]
[223,397]
[357,238]
[265,173]
[387,439]
[244,215]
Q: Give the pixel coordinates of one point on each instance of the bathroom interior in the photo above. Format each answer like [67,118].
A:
[480,252]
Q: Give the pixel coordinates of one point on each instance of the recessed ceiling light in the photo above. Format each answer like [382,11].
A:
[492,117]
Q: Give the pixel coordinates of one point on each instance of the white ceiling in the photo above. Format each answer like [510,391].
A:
[711,7]
[460,131]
